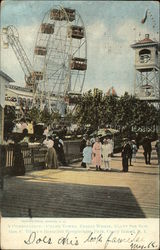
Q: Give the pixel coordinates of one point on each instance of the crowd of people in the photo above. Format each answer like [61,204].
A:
[55,152]
[130,149]
[22,124]
[22,134]
[95,151]
[99,153]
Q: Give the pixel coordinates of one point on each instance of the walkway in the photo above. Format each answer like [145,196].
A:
[75,192]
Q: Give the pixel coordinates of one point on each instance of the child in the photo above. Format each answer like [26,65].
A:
[134,150]
[87,154]
[97,154]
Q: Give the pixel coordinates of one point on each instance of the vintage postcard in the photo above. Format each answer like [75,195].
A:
[79,124]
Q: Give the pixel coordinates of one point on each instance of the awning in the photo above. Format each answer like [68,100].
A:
[109,131]
[11,93]
[8,103]
[112,131]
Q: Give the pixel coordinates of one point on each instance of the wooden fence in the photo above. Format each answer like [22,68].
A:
[34,156]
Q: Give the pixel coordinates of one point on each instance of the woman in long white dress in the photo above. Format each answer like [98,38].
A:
[106,154]
[51,156]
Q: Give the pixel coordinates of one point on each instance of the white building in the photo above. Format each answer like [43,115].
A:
[4,83]
[20,96]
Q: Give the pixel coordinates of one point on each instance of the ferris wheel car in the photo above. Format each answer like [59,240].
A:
[60,57]
[40,50]
[47,28]
[76,32]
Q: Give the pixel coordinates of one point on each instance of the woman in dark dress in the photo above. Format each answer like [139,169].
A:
[60,151]
[18,161]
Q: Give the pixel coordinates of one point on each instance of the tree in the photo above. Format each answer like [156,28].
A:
[97,109]
[43,116]
[46,117]
[89,110]
[110,104]
[34,115]
[125,111]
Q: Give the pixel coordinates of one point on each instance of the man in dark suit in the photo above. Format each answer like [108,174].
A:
[126,149]
[147,150]
[82,146]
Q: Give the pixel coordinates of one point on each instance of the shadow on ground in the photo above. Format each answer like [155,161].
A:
[42,199]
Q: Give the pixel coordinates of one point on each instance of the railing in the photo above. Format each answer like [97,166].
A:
[34,156]
[72,150]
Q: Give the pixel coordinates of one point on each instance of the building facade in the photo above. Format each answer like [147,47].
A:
[4,83]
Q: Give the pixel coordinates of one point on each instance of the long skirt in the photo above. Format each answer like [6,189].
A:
[125,163]
[18,161]
[97,158]
[51,158]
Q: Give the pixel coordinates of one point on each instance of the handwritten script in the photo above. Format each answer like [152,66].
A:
[132,240]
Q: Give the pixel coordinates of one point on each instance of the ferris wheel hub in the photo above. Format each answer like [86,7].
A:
[60,54]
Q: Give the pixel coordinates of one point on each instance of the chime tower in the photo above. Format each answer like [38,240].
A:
[147,69]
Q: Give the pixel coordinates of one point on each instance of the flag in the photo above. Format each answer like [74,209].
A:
[144,19]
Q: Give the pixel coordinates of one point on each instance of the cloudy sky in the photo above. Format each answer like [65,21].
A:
[111,27]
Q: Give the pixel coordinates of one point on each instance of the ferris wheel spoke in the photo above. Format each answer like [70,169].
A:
[58,80]
[75,81]
[60,85]
[56,71]
[62,68]
[77,20]
[77,49]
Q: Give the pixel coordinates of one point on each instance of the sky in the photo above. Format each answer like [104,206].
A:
[111,27]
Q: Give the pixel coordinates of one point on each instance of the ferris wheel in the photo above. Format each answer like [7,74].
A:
[60,55]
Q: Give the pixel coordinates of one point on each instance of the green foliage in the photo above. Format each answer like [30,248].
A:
[43,116]
[70,117]
[89,110]
[34,114]
[99,110]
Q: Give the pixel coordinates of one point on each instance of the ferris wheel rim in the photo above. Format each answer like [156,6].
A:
[61,65]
